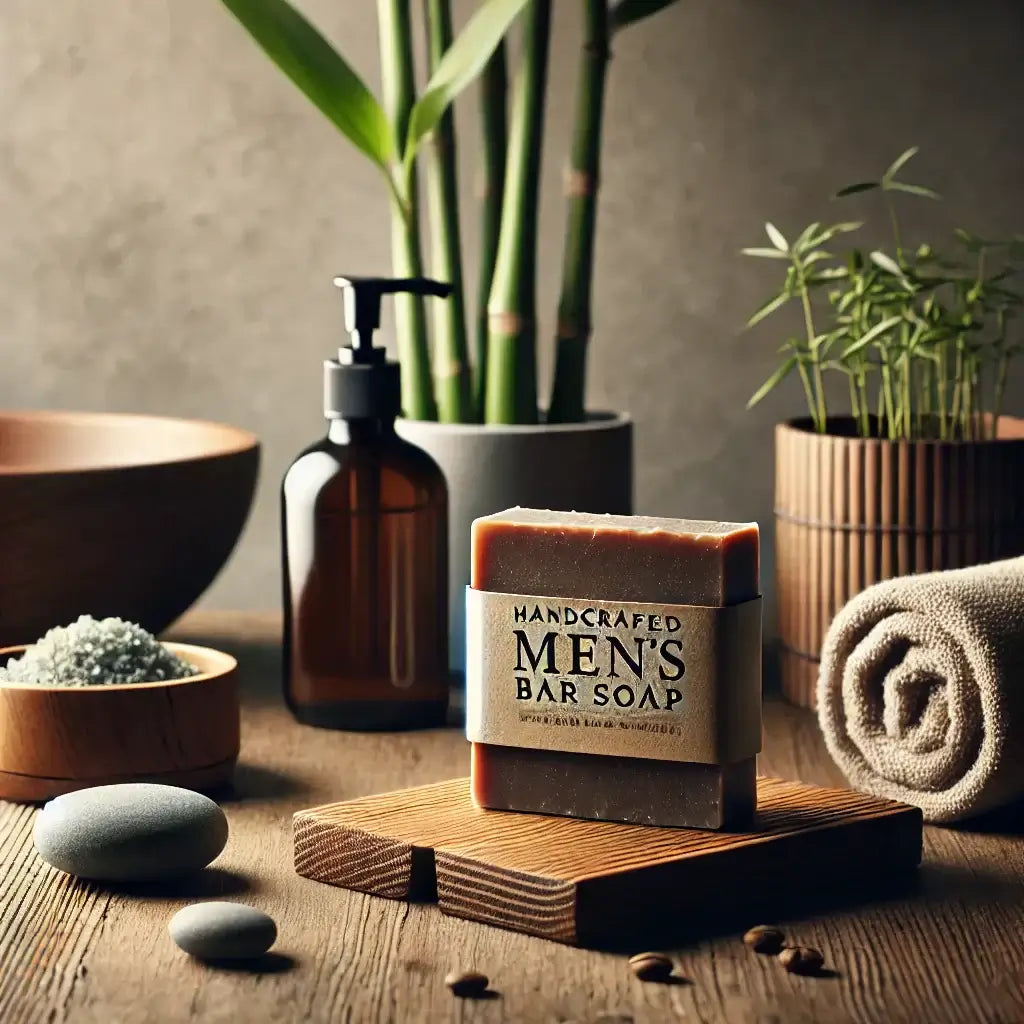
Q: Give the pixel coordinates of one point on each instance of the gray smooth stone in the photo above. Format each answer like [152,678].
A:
[130,832]
[223,931]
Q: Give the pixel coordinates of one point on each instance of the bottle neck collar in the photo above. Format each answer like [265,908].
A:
[342,431]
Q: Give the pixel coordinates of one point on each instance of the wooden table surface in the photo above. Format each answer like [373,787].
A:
[949,950]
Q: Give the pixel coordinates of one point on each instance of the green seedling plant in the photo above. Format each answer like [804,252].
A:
[923,336]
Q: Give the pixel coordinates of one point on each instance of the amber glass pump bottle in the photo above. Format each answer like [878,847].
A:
[364,535]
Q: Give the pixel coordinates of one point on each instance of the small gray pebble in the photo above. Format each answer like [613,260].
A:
[130,832]
[223,931]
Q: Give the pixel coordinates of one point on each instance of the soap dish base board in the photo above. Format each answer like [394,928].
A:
[600,884]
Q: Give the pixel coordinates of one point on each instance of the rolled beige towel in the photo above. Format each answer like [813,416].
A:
[921,691]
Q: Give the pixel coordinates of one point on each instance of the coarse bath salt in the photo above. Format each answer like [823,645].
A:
[96,652]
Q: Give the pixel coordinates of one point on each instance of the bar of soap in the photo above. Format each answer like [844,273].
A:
[624,560]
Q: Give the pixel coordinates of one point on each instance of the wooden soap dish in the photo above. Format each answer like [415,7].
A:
[597,883]
[183,732]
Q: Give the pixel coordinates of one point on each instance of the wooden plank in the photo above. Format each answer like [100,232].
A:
[46,926]
[595,882]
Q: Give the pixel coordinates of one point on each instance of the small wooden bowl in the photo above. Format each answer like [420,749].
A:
[184,732]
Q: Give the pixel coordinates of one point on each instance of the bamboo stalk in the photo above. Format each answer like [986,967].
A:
[805,381]
[891,418]
[511,395]
[398,94]
[941,386]
[958,373]
[908,410]
[854,403]
[818,412]
[927,386]
[451,343]
[494,117]
[1000,392]
[568,404]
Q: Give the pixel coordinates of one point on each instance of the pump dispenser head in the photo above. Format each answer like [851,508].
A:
[362,382]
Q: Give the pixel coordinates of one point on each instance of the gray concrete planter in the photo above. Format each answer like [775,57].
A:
[581,467]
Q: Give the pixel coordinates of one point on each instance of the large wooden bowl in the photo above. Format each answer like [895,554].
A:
[55,739]
[109,514]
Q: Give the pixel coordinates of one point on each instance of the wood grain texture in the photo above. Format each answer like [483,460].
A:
[595,882]
[850,512]
[56,739]
[948,952]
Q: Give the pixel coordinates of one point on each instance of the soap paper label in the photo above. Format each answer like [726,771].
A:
[668,682]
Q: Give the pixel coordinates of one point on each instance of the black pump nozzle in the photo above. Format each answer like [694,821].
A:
[362,382]
[362,307]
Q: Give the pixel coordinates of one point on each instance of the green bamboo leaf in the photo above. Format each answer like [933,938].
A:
[773,381]
[460,65]
[765,254]
[971,242]
[823,341]
[776,237]
[774,303]
[914,190]
[803,241]
[837,229]
[860,186]
[816,256]
[887,263]
[835,364]
[898,163]
[866,339]
[627,12]
[303,54]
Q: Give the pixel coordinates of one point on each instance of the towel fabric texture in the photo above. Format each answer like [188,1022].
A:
[921,691]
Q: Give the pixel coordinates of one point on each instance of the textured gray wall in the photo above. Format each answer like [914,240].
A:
[172,211]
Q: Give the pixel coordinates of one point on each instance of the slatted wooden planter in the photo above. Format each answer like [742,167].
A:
[851,511]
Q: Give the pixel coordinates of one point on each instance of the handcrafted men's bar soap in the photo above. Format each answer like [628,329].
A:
[614,667]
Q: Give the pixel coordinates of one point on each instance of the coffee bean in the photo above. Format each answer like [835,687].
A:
[764,939]
[651,966]
[801,960]
[467,984]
